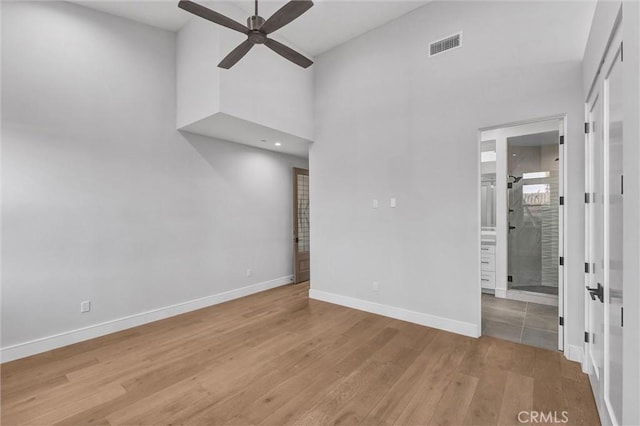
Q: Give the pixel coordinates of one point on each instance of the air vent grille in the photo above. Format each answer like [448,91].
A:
[445,44]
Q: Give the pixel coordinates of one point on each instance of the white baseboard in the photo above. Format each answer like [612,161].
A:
[66,338]
[454,326]
[574,353]
[501,293]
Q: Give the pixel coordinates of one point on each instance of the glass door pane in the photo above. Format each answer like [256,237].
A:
[614,203]
[533,201]
[303,213]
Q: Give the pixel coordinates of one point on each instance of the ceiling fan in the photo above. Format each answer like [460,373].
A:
[256,30]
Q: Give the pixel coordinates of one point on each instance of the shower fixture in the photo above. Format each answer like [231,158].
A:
[515,179]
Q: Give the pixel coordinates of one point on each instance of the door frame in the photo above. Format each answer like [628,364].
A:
[295,172]
[562,220]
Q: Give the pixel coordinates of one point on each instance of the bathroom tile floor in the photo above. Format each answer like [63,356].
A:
[522,322]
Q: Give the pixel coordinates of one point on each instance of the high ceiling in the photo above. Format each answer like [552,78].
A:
[328,24]
[333,22]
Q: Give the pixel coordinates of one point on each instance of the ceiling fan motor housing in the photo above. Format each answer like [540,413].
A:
[255,22]
[255,35]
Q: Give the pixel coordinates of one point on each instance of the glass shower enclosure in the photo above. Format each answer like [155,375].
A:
[533,216]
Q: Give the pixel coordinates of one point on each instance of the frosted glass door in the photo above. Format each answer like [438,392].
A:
[613,256]
[595,261]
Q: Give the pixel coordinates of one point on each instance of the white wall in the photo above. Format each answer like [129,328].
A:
[267,89]
[603,20]
[102,199]
[391,122]
[198,75]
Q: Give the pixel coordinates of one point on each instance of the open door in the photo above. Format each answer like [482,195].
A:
[301,264]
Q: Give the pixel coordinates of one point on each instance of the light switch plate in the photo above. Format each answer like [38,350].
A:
[374,204]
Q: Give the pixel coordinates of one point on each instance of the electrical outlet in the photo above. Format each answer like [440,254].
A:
[85,306]
[392,203]
[249,272]
[374,204]
[375,286]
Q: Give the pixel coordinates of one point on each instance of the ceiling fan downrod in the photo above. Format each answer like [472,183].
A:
[255,22]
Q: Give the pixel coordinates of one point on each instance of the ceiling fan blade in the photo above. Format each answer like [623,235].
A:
[288,53]
[286,14]
[212,16]
[236,54]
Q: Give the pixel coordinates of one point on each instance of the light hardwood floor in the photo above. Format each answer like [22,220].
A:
[279,358]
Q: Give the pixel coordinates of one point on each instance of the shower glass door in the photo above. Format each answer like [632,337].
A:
[533,217]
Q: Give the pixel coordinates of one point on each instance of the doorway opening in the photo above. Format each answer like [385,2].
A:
[522,232]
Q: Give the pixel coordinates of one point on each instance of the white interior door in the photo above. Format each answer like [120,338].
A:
[614,189]
[594,267]
[603,267]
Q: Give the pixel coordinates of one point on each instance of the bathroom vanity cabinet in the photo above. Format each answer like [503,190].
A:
[488,265]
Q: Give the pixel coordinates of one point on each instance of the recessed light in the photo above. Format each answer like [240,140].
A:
[277,144]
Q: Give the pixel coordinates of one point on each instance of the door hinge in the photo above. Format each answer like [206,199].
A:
[586,128]
[510,278]
[561,260]
[586,267]
[587,198]
[621,184]
[621,316]
[621,51]
[562,201]
[586,337]
[561,140]
[561,321]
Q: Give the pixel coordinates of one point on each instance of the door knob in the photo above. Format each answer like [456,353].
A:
[596,292]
